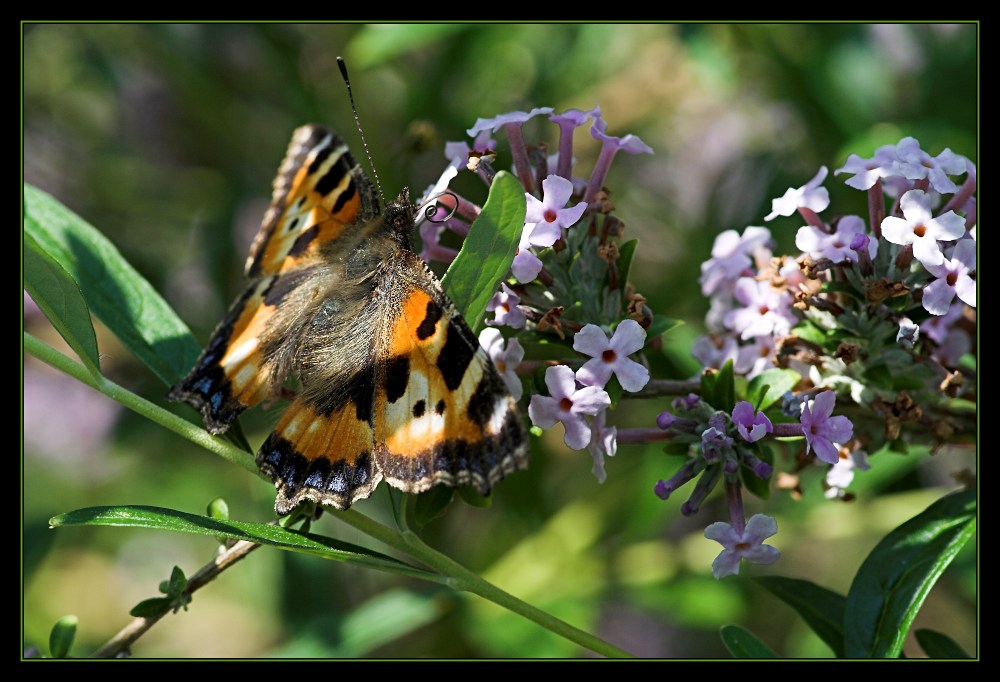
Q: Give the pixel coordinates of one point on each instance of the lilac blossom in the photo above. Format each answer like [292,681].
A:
[954,279]
[526,265]
[494,124]
[916,164]
[715,350]
[603,443]
[548,215]
[506,359]
[715,442]
[824,432]
[751,426]
[610,356]
[609,147]
[746,544]
[566,404]
[811,196]
[921,229]
[908,333]
[504,305]
[435,190]
[754,358]
[568,121]
[841,474]
[835,246]
[430,235]
[766,310]
[952,342]
[732,257]
[868,171]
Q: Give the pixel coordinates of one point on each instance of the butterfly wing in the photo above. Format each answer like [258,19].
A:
[320,195]
[442,413]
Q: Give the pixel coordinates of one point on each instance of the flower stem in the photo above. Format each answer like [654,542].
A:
[461,578]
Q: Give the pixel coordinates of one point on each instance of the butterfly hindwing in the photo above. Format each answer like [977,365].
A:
[443,414]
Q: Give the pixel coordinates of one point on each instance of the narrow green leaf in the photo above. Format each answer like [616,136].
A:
[151,608]
[137,516]
[488,250]
[118,295]
[939,645]
[626,253]
[769,386]
[894,579]
[725,389]
[62,635]
[177,583]
[59,297]
[709,379]
[742,643]
[822,609]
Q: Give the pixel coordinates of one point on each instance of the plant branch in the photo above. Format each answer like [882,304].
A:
[122,642]
[658,388]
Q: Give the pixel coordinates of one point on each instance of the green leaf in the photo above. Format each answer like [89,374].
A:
[822,609]
[62,635]
[432,504]
[488,250]
[894,579]
[809,332]
[177,583]
[768,387]
[473,498]
[661,325]
[742,643]
[136,516]
[761,487]
[151,608]
[676,448]
[626,252]
[59,297]
[719,388]
[118,295]
[939,645]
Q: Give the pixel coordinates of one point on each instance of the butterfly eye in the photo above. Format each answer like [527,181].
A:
[431,209]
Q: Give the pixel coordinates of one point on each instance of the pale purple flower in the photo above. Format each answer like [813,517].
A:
[916,164]
[952,341]
[506,359]
[568,405]
[611,356]
[494,124]
[609,147]
[908,333]
[715,442]
[548,216]
[954,279]
[435,190]
[715,350]
[765,311]
[430,235]
[568,121]
[748,544]
[754,358]
[751,426]
[835,246]
[823,432]
[841,474]
[810,195]
[867,171]
[921,229]
[526,265]
[504,305]
[732,256]
[603,443]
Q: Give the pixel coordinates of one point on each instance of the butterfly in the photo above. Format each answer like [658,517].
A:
[392,383]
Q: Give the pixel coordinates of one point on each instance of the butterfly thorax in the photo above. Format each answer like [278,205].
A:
[398,216]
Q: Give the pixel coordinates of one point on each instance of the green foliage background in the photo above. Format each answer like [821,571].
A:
[166,137]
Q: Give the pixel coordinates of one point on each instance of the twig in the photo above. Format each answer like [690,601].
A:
[122,642]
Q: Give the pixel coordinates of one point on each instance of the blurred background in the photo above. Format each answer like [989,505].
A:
[166,138]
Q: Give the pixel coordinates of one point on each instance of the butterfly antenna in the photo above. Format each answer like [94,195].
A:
[357,121]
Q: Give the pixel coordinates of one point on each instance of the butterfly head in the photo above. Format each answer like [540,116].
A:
[398,215]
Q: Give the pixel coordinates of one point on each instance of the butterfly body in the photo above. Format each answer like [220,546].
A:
[391,381]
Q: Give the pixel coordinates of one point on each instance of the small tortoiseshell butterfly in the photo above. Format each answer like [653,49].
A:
[392,382]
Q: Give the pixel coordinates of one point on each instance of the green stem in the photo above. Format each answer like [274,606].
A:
[461,578]
[154,412]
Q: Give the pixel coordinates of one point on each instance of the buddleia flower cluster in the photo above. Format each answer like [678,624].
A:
[858,343]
